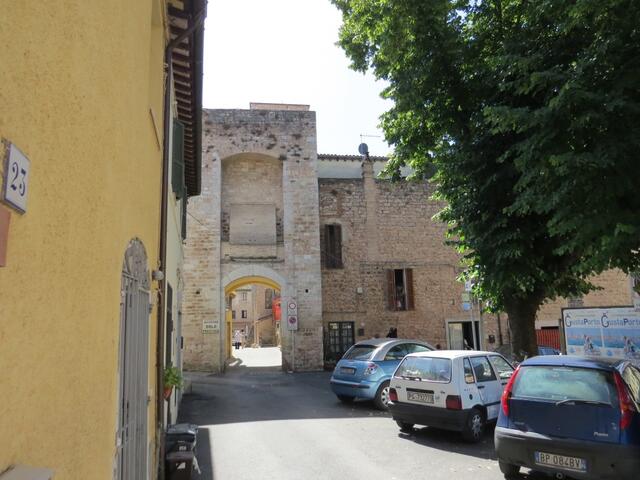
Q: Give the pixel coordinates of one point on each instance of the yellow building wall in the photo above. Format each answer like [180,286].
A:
[78,83]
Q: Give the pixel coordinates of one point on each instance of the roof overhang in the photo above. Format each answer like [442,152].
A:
[186,71]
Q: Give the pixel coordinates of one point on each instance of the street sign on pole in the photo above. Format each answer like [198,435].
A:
[292,315]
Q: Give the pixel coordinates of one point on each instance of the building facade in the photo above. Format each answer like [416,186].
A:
[256,222]
[363,253]
[83,277]
[384,262]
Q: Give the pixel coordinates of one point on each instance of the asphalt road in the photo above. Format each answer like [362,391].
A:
[259,423]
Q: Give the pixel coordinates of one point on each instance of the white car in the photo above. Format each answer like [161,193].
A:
[450,389]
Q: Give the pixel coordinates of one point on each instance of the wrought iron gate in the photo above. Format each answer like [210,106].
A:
[134,365]
[338,337]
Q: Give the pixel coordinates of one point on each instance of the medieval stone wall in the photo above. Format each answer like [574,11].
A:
[388,225]
[261,157]
[385,226]
[261,166]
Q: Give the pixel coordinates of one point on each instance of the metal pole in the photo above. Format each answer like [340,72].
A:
[293,351]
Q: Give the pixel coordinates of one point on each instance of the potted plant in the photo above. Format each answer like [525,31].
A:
[172,378]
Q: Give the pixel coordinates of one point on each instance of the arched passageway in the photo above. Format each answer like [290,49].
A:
[252,335]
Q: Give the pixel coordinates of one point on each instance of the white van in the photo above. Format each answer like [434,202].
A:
[451,389]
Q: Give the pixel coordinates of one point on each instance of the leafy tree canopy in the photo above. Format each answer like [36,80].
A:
[529,112]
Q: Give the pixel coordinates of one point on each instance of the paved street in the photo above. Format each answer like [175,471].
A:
[259,423]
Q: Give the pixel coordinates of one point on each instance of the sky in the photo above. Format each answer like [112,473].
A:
[284,51]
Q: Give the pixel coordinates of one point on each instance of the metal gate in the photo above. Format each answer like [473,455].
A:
[134,366]
[338,338]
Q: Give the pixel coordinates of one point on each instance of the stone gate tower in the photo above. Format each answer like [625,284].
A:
[256,221]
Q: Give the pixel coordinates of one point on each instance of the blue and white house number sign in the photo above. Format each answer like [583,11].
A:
[15,184]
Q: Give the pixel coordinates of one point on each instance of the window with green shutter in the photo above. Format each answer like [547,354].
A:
[177,160]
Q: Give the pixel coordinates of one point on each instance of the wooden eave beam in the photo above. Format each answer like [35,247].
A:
[176,12]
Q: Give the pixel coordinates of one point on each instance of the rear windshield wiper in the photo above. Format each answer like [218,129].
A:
[585,402]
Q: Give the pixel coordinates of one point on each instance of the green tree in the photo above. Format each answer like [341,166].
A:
[529,114]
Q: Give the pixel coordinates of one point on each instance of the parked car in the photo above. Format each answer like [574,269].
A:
[365,369]
[451,389]
[547,350]
[572,416]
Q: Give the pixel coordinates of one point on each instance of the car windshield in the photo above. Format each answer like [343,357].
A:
[425,368]
[565,383]
[359,352]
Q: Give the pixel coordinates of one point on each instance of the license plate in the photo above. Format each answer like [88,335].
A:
[347,370]
[561,461]
[421,397]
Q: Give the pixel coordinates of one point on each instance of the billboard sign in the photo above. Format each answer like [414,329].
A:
[603,332]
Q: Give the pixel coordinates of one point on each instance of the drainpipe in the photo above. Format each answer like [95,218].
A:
[196,22]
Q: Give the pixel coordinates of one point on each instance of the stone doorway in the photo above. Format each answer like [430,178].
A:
[252,318]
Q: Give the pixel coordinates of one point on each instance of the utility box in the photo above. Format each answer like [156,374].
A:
[181,437]
[179,465]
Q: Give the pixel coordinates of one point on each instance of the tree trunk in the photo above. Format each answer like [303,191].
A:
[522,316]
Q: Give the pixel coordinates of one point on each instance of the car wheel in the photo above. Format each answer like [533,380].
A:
[404,426]
[508,470]
[345,398]
[474,427]
[381,399]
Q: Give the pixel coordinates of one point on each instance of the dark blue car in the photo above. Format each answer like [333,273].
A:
[571,416]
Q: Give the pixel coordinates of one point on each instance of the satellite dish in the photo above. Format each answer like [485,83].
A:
[363,149]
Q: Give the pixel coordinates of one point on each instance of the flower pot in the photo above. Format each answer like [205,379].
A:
[167,392]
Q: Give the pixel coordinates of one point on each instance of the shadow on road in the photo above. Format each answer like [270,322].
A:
[452,442]
[204,454]
[223,399]
[248,394]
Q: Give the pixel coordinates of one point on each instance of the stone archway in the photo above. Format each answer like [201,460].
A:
[257,216]
[242,277]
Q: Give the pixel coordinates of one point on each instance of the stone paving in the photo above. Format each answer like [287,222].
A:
[256,357]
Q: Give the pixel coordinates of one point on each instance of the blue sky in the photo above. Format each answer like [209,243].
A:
[284,51]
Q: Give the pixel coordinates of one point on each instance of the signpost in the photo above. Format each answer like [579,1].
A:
[292,315]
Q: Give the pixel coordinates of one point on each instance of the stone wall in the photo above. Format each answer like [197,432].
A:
[388,225]
[203,350]
[256,157]
[384,226]
[614,291]
[268,158]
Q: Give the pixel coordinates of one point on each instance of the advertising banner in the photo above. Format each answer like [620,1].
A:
[603,332]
